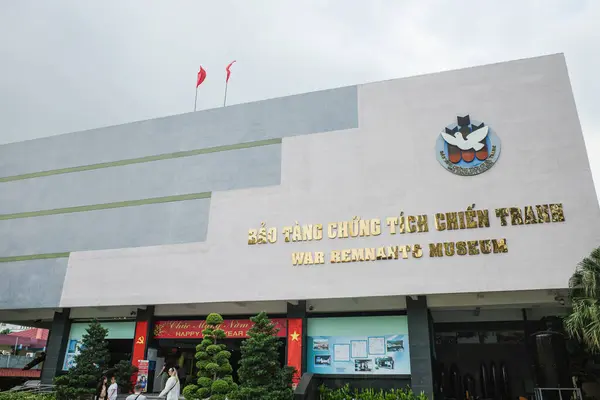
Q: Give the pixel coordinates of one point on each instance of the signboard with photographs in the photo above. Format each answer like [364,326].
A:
[369,349]
[142,379]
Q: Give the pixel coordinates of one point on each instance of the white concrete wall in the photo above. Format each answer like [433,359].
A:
[385,166]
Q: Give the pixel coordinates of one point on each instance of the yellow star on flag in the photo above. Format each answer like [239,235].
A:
[295,336]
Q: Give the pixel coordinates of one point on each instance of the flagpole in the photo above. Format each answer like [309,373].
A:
[227,82]
[196,98]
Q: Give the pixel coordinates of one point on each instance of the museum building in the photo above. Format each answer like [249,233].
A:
[414,231]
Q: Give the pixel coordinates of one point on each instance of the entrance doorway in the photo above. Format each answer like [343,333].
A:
[181,352]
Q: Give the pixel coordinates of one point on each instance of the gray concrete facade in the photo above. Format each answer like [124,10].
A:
[58,182]
[32,283]
[314,112]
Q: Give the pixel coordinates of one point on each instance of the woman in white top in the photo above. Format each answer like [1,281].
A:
[171,390]
[113,389]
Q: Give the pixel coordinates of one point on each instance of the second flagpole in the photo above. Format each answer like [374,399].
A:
[228,71]
[201,78]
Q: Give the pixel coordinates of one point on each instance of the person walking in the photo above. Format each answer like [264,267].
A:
[113,389]
[172,388]
[102,389]
[137,394]
[164,373]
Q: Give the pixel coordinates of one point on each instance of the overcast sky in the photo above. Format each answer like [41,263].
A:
[80,64]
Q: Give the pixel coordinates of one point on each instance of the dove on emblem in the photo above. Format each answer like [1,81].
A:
[471,142]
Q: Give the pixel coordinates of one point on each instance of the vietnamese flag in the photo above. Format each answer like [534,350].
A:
[294,347]
[201,77]
[228,69]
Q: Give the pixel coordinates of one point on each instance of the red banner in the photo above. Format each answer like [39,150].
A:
[234,328]
[294,347]
[139,345]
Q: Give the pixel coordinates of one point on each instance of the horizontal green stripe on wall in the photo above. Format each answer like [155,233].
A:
[106,206]
[140,160]
[33,257]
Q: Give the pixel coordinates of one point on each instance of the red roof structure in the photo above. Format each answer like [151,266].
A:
[33,333]
[19,373]
[33,337]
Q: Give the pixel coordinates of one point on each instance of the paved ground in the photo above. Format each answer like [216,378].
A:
[149,396]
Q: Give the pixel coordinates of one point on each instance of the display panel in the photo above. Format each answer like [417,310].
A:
[116,330]
[358,345]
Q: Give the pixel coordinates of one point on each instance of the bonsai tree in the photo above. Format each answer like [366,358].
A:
[214,376]
[83,377]
[583,323]
[261,375]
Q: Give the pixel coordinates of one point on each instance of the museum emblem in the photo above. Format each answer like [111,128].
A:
[467,147]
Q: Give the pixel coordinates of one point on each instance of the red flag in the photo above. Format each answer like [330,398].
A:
[201,77]
[294,347]
[228,71]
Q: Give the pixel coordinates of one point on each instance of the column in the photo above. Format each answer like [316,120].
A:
[144,322]
[296,338]
[56,346]
[419,337]
[143,325]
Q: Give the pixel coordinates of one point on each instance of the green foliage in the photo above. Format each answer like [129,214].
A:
[202,363]
[221,356]
[214,370]
[27,396]
[345,393]
[122,372]
[82,379]
[583,323]
[213,320]
[205,382]
[202,393]
[220,386]
[261,375]
[189,391]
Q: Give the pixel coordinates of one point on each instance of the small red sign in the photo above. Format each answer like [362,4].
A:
[234,328]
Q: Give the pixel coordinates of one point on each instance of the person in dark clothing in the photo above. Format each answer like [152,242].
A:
[102,389]
[39,359]
[164,373]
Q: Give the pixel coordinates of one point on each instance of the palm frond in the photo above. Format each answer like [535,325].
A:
[583,323]
[585,281]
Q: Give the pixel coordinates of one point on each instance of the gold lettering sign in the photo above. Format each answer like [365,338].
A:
[357,227]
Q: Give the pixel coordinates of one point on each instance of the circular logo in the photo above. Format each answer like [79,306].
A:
[467,147]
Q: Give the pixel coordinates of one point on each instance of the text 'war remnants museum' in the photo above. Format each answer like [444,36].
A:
[393,231]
